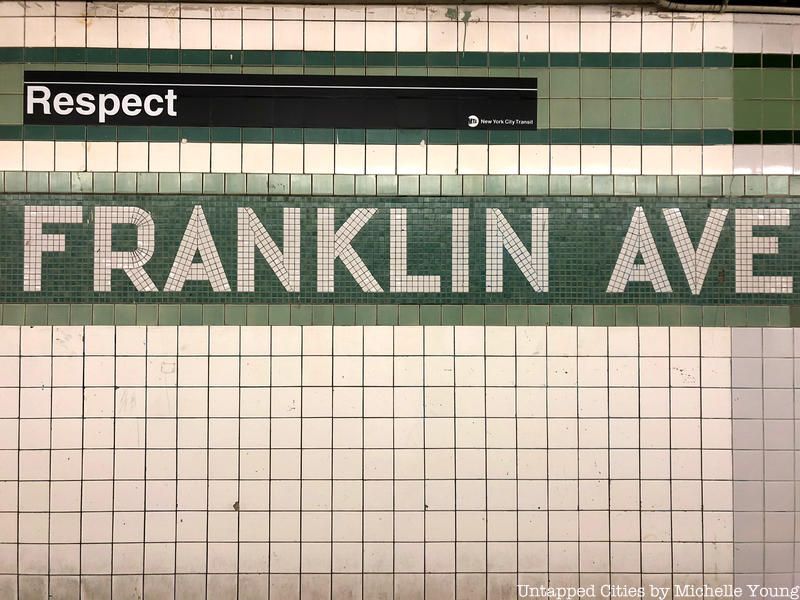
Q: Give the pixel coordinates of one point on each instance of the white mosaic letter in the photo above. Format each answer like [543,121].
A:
[460,244]
[197,239]
[500,235]
[37,242]
[695,261]
[105,259]
[747,245]
[335,243]
[400,280]
[285,265]
[639,240]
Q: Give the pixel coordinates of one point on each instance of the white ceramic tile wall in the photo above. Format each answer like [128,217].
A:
[389,28]
[362,462]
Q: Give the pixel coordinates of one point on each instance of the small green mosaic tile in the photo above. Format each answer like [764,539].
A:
[560,315]
[603,185]
[755,185]
[581,185]
[473,314]
[538,185]
[648,315]
[777,185]
[321,315]
[668,185]
[516,185]
[36,314]
[408,185]
[365,185]
[495,185]
[713,316]
[213,314]
[169,183]
[125,314]
[147,314]
[605,316]
[757,316]
[733,185]
[408,314]
[387,314]
[735,316]
[79,314]
[316,184]
[365,314]
[779,316]
[308,184]
[517,314]
[278,184]
[691,316]
[539,315]
[626,316]
[235,183]
[147,183]
[710,185]
[624,185]
[191,314]
[494,314]
[430,315]
[689,185]
[582,315]
[560,185]
[646,185]
[38,182]
[344,314]
[13,314]
[102,314]
[81,182]
[260,314]
[344,185]
[670,315]
[103,183]
[169,314]
[387,184]
[125,183]
[58,314]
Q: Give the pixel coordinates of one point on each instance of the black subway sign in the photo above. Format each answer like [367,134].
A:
[223,100]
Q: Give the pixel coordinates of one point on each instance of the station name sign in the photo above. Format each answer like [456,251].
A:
[314,101]
[446,251]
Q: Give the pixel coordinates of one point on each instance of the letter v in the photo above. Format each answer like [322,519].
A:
[695,262]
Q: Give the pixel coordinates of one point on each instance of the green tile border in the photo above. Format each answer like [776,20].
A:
[694,186]
[400,314]
[643,136]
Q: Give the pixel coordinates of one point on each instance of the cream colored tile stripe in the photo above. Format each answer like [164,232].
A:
[195,157]
[478,28]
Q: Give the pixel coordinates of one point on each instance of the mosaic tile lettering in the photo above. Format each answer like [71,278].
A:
[397,250]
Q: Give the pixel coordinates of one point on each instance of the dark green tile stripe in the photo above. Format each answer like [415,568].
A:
[358,59]
[622,137]
[394,314]
[351,59]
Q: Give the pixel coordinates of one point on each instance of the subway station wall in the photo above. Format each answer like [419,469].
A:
[428,364]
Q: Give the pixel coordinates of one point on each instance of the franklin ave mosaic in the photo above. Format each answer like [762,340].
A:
[510,250]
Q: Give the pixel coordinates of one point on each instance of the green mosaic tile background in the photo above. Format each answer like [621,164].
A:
[586,234]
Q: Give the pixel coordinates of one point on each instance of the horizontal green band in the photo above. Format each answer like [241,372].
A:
[63,182]
[357,59]
[556,136]
[394,314]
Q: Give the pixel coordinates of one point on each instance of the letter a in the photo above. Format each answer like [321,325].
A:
[638,240]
